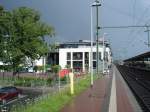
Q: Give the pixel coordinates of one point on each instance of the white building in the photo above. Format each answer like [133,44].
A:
[77,55]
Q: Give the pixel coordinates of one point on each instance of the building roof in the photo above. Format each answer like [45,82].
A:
[80,43]
[140,57]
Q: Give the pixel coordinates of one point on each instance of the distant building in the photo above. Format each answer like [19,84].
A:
[77,55]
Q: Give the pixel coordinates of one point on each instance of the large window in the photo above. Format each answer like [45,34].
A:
[77,65]
[94,55]
[68,56]
[77,56]
[94,64]
[100,56]
[69,63]
[106,56]
[86,56]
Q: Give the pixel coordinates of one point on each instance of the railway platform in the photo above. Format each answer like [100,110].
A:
[108,94]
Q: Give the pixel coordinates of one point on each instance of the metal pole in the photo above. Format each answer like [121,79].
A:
[103,53]
[97,50]
[91,46]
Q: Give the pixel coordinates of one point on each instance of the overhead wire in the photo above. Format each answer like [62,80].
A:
[143,16]
[135,33]
[140,19]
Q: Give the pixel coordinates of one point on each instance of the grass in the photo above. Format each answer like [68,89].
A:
[53,103]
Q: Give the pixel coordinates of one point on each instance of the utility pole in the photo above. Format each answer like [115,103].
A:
[95,4]
[97,28]
[91,66]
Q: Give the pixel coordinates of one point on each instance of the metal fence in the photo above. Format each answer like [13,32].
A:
[32,97]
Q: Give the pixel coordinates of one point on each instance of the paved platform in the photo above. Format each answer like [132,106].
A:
[90,100]
[109,94]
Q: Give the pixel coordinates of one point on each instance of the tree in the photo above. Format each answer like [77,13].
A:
[24,32]
[4,25]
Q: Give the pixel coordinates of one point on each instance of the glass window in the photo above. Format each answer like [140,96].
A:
[77,65]
[100,56]
[94,55]
[68,63]
[86,55]
[86,63]
[94,64]
[106,56]
[77,56]
[68,56]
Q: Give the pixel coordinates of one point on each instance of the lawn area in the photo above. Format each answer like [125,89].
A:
[53,103]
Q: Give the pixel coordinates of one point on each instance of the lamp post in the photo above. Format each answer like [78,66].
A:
[96,3]
[91,46]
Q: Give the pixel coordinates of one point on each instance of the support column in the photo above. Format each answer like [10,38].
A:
[83,61]
[90,61]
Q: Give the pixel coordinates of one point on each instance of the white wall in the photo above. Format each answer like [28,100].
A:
[63,53]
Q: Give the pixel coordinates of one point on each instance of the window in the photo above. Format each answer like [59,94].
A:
[94,64]
[106,56]
[77,65]
[94,55]
[69,63]
[86,56]
[68,56]
[86,63]
[100,56]
[77,56]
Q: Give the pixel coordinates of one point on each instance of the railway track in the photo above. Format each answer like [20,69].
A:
[139,82]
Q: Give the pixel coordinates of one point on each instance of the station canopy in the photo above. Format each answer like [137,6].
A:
[141,57]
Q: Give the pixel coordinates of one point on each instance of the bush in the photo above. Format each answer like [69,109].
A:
[56,68]
[49,81]
[28,81]
[63,78]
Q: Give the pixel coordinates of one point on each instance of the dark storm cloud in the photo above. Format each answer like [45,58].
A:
[71,19]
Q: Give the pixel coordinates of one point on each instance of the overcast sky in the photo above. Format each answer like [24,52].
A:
[71,20]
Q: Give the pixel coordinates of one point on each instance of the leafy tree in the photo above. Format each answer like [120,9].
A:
[21,37]
[4,30]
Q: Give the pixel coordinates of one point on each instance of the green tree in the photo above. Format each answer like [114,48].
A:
[22,36]
[4,30]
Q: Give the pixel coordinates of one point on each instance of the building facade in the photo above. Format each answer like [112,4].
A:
[77,55]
